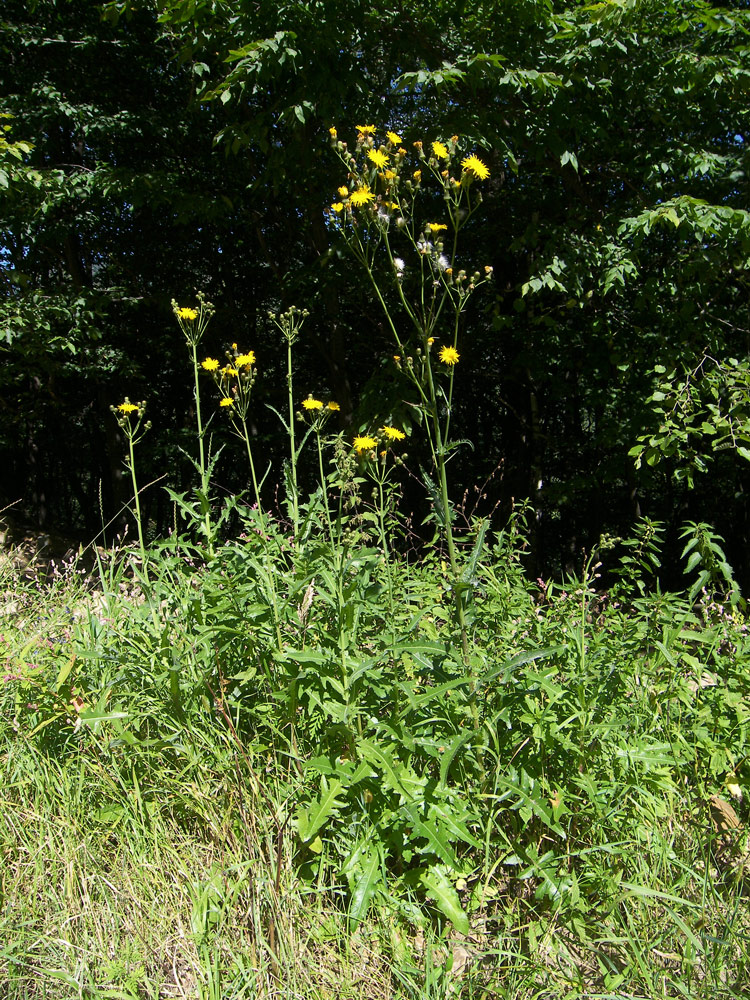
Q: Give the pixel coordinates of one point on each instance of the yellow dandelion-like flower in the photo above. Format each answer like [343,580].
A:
[389,175]
[430,341]
[393,138]
[436,227]
[312,404]
[332,131]
[417,175]
[363,442]
[245,360]
[127,407]
[362,196]
[228,370]
[378,157]
[226,401]
[333,405]
[397,358]
[440,150]
[187,314]
[473,165]
[343,191]
[337,207]
[394,434]
[366,129]
[210,364]
[449,355]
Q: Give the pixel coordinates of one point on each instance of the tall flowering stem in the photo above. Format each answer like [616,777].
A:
[290,324]
[377,212]
[130,418]
[193,323]
[235,381]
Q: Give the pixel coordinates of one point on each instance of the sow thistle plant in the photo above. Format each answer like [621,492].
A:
[130,418]
[234,381]
[193,322]
[378,212]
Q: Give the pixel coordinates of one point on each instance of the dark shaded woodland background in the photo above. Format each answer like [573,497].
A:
[182,146]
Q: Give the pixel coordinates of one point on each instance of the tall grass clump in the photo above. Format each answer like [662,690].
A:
[284,760]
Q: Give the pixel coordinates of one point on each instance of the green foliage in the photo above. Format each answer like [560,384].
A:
[562,782]
[700,412]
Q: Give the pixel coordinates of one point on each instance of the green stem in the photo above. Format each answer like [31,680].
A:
[324,487]
[447,513]
[138,517]
[386,556]
[201,451]
[290,393]
[265,547]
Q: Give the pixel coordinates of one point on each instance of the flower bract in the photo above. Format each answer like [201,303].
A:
[473,165]
[449,355]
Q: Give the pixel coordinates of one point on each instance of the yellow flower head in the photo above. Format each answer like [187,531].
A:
[390,174]
[378,157]
[394,434]
[332,131]
[337,207]
[228,370]
[312,404]
[473,165]
[366,129]
[226,401]
[343,191]
[362,196]
[417,175]
[449,355]
[440,150]
[363,442]
[245,359]
[127,407]
[187,314]
[436,227]
[393,138]
[333,405]
[210,364]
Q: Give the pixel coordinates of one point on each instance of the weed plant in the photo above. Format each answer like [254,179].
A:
[285,761]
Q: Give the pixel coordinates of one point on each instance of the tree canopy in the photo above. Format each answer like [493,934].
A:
[160,148]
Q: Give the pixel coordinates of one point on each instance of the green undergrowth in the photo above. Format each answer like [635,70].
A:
[270,771]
